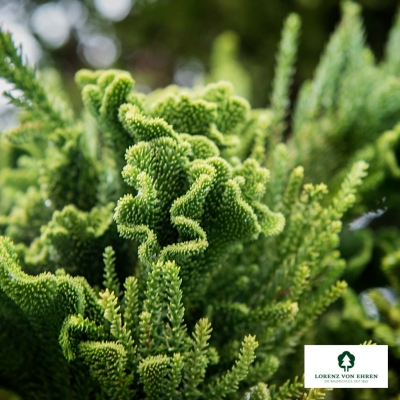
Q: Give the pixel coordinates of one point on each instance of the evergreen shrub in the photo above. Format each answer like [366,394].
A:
[169,246]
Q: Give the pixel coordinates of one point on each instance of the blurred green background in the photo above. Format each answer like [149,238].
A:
[171,41]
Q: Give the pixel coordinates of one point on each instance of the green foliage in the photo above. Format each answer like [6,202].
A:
[349,112]
[341,115]
[34,97]
[210,257]
[283,75]
[110,276]
[225,65]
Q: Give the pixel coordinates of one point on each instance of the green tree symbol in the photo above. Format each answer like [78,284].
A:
[346,360]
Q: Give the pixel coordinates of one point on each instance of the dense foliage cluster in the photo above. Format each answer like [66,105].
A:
[169,245]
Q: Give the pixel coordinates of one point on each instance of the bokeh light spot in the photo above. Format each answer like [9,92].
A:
[114,10]
[99,50]
[50,22]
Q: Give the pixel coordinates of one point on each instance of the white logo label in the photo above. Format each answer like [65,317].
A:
[345,366]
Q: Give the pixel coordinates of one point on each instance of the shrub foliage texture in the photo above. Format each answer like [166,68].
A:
[170,245]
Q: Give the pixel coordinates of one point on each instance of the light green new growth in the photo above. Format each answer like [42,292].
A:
[110,276]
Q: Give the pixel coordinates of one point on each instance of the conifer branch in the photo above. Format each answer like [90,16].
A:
[33,98]
[287,391]
[259,392]
[110,276]
[284,70]
[197,360]
[391,62]
[131,305]
[229,382]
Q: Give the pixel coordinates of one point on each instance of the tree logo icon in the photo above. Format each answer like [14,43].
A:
[346,360]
